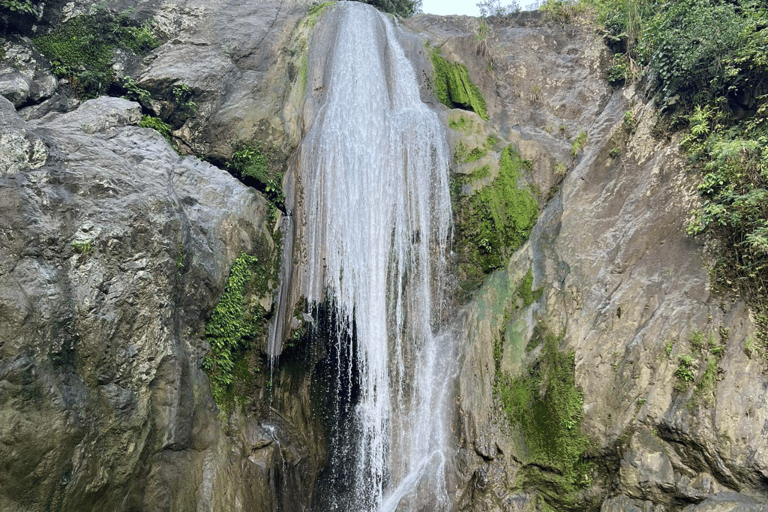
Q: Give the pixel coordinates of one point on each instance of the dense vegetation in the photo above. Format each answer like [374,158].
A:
[233,325]
[545,406]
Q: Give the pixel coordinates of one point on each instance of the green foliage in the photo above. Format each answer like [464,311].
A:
[251,164]
[733,158]
[232,326]
[546,408]
[578,143]
[704,49]
[525,290]
[686,367]
[466,155]
[403,8]
[82,247]
[624,22]
[496,220]
[18,6]
[136,93]
[157,124]
[454,87]
[182,97]
[81,49]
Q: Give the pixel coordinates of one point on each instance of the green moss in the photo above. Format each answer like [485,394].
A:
[82,247]
[232,326]
[495,221]
[82,48]
[545,407]
[525,290]
[454,87]
[315,12]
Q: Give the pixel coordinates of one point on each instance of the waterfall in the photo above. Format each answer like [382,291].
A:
[373,222]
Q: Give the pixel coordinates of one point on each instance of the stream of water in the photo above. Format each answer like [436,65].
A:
[376,218]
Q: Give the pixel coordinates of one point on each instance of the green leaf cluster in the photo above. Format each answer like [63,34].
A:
[81,49]
[18,6]
[232,326]
[251,164]
[704,49]
[733,158]
[454,87]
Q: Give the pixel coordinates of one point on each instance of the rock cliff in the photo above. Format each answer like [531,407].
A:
[115,250]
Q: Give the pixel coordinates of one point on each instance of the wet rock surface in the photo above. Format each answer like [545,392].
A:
[114,249]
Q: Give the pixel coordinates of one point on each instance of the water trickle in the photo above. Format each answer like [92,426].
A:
[373,216]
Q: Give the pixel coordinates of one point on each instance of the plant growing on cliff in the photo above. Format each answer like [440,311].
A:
[18,6]
[250,163]
[81,49]
[404,8]
[578,143]
[496,220]
[233,324]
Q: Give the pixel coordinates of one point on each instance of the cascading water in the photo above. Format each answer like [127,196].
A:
[373,217]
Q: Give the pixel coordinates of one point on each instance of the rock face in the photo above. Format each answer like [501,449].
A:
[619,277]
[114,250]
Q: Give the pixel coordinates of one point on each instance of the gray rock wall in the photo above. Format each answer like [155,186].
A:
[618,276]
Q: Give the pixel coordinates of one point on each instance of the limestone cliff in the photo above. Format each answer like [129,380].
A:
[115,250]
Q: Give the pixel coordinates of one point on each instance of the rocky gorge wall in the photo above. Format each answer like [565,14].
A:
[115,250]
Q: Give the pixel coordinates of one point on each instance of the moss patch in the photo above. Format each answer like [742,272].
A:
[545,407]
[495,221]
[454,88]
[82,48]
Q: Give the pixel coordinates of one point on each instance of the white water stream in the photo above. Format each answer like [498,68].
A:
[375,219]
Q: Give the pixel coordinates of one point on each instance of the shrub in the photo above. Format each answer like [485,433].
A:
[404,8]
[250,163]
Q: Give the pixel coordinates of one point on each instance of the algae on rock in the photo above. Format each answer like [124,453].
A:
[454,87]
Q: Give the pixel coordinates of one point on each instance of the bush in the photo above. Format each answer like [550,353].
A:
[250,163]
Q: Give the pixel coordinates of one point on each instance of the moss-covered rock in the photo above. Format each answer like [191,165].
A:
[495,220]
[454,87]
[544,406]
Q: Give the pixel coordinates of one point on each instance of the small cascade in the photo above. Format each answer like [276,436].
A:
[373,221]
